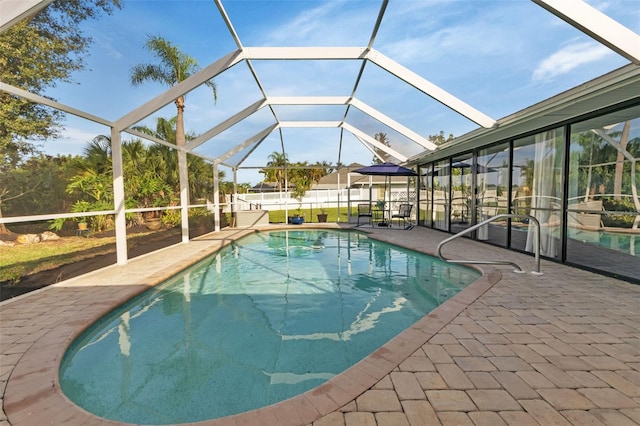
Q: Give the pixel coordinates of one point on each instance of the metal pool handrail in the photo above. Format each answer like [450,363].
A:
[497,262]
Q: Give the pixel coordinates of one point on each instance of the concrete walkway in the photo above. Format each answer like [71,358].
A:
[558,349]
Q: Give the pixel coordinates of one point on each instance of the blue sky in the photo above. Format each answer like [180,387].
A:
[497,56]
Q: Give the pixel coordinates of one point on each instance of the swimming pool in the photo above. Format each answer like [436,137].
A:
[260,321]
[623,242]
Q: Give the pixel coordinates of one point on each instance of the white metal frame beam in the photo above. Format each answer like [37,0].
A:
[597,25]
[365,108]
[365,139]
[226,124]
[363,136]
[258,137]
[387,64]
[430,89]
[227,21]
[14,11]
[305,53]
[291,53]
[307,100]
[119,197]
[389,122]
[370,148]
[179,89]
[154,139]
[53,104]
[244,158]
[376,27]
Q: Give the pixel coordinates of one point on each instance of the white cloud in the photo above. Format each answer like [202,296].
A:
[111,51]
[600,5]
[333,23]
[568,58]
[72,140]
[446,30]
[105,39]
[304,25]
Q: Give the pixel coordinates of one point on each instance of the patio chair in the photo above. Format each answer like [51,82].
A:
[404,214]
[364,210]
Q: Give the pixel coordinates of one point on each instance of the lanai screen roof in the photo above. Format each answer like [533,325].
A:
[317,79]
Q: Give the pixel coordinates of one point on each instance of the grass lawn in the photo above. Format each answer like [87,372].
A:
[25,259]
[310,215]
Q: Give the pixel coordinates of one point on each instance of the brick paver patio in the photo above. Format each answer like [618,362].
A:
[558,349]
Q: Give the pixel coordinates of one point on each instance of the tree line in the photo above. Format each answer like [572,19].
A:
[297,177]
[84,183]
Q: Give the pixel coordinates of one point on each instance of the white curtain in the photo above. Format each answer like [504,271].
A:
[545,200]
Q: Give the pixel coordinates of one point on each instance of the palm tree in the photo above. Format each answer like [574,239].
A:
[161,156]
[275,171]
[200,176]
[174,67]
[326,167]
[96,156]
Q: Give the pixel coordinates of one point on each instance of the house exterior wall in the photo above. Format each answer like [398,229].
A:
[580,180]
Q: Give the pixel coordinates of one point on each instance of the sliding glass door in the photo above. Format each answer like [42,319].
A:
[441,188]
[492,192]
[537,187]
[425,205]
[461,192]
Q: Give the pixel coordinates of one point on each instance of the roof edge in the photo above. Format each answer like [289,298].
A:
[545,113]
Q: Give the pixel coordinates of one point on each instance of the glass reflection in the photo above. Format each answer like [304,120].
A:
[537,185]
[425,214]
[441,182]
[603,211]
[597,219]
[492,192]
[461,192]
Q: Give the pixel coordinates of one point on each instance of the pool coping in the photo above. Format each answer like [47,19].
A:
[33,394]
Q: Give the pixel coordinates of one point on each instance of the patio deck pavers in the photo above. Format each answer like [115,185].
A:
[561,348]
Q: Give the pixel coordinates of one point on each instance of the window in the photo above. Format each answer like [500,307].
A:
[492,192]
[425,213]
[537,191]
[603,205]
[441,182]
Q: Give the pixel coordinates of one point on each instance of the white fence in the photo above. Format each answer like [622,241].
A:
[328,198]
[317,199]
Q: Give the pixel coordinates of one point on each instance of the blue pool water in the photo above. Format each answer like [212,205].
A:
[262,320]
[624,243]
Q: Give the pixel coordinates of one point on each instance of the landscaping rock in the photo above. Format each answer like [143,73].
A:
[49,236]
[28,238]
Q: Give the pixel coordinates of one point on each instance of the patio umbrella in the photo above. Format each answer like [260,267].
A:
[387,170]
